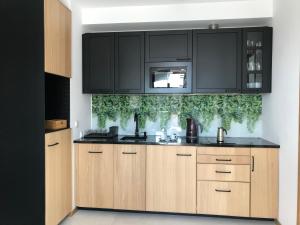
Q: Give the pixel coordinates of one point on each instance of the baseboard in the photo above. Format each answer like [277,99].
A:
[73,212]
[277,222]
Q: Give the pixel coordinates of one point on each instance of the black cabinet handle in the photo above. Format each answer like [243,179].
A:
[187,155]
[223,160]
[92,152]
[253,163]
[226,191]
[226,172]
[129,153]
[183,59]
[57,143]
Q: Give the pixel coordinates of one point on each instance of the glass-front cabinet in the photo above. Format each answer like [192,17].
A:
[257,60]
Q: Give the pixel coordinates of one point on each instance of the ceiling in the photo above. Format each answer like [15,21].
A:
[118,3]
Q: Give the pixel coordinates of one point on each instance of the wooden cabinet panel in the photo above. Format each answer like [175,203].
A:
[171,179]
[223,198]
[217,60]
[129,62]
[223,159]
[58,176]
[130,177]
[168,46]
[98,63]
[57,38]
[264,183]
[94,166]
[223,151]
[219,172]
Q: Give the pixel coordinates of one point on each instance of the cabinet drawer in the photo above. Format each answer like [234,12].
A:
[219,172]
[223,198]
[223,151]
[223,159]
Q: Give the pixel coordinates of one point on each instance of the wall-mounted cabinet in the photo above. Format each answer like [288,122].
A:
[168,46]
[57,38]
[217,61]
[223,61]
[257,60]
[129,62]
[98,63]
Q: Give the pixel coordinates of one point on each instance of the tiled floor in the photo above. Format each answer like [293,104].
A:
[85,217]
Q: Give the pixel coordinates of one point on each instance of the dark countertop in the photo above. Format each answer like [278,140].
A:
[182,141]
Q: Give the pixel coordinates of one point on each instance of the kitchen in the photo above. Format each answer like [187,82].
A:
[166,118]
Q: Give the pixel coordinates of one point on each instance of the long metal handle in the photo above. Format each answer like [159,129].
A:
[129,153]
[183,59]
[226,191]
[223,160]
[187,155]
[217,171]
[57,143]
[94,152]
[253,163]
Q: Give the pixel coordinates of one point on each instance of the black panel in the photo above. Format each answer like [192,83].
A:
[217,60]
[57,98]
[129,62]
[169,46]
[265,35]
[22,160]
[98,63]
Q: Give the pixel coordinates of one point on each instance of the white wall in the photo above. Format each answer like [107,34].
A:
[179,12]
[80,104]
[281,108]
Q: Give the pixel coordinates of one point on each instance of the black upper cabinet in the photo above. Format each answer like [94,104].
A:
[257,60]
[217,61]
[169,46]
[129,62]
[98,63]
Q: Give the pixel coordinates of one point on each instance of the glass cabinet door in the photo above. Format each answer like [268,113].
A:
[257,60]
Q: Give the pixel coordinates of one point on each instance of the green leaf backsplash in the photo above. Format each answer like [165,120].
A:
[205,108]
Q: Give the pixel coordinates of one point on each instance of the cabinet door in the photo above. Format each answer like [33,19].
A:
[217,60]
[58,176]
[94,175]
[264,183]
[129,64]
[171,179]
[130,177]
[57,38]
[98,63]
[257,60]
[168,46]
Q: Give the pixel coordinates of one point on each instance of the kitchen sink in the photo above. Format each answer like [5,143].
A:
[134,138]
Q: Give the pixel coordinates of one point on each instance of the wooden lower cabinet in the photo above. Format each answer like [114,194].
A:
[264,183]
[130,177]
[58,176]
[223,198]
[171,179]
[94,169]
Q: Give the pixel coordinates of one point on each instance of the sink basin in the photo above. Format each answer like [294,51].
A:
[134,138]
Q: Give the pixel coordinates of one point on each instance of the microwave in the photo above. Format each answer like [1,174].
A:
[168,77]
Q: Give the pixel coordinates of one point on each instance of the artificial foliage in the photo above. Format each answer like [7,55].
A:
[205,108]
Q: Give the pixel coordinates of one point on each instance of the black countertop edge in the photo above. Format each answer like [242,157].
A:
[202,141]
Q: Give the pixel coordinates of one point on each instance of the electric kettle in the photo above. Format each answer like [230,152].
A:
[220,134]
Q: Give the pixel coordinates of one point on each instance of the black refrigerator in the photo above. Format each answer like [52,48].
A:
[22,113]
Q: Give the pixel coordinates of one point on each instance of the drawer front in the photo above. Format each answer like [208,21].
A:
[223,151]
[219,172]
[224,159]
[223,198]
